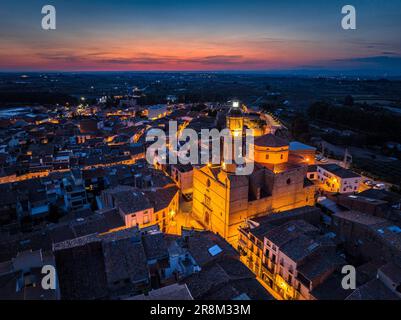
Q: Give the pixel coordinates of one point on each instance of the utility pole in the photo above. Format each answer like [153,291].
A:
[347,159]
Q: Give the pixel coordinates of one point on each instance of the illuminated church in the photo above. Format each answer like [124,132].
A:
[223,200]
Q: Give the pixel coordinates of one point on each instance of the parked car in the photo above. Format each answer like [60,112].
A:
[379,186]
[318,157]
[369,183]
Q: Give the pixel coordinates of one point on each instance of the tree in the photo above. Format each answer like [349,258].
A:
[318,109]
[300,128]
[349,101]
[268,107]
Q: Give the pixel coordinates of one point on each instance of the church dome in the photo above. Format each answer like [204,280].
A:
[270,149]
[271,141]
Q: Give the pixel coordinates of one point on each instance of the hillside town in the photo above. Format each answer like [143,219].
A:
[78,193]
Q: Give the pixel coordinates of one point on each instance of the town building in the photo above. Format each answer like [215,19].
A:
[223,200]
[143,208]
[183,176]
[367,237]
[219,273]
[334,178]
[386,285]
[21,277]
[302,153]
[288,253]
[157,111]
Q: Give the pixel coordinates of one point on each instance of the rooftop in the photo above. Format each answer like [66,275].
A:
[172,292]
[359,217]
[270,140]
[373,290]
[296,145]
[339,171]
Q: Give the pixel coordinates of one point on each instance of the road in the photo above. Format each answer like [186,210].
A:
[183,219]
[362,186]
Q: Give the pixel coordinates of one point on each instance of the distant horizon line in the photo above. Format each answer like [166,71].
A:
[299,72]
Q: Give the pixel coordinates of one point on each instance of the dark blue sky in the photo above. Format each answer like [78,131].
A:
[201,35]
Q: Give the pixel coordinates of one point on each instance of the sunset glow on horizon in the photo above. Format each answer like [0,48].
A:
[189,35]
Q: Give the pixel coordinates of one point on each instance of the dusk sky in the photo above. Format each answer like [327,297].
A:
[200,35]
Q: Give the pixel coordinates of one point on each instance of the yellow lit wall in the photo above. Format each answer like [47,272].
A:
[270,155]
[235,124]
[220,200]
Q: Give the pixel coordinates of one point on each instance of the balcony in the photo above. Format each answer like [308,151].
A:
[207,206]
[242,243]
[268,269]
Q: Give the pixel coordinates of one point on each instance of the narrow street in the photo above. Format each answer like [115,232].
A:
[270,290]
[183,219]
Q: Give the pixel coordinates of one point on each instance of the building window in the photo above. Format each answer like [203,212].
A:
[288,181]
[207,217]
[207,201]
[281,156]
[267,157]
[290,279]
[312,176]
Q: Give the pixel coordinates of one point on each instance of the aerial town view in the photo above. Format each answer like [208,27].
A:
[200,150]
